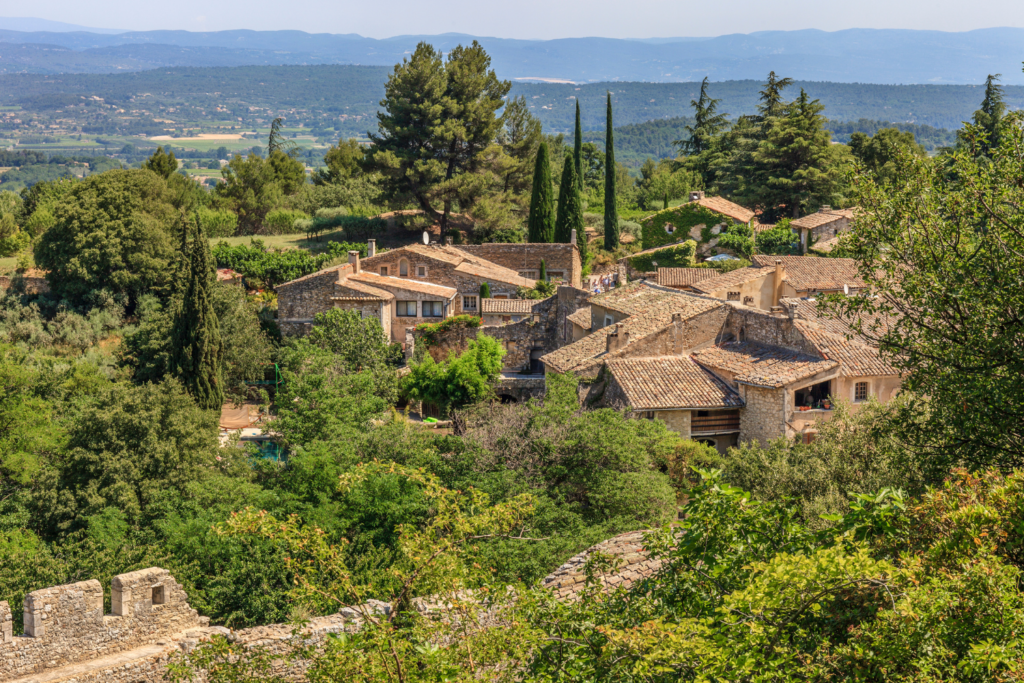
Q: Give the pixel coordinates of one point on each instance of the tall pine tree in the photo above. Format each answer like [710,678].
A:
[577,150]
[541,225]
[196,349]
[990,116]
[570,209]
[611,214]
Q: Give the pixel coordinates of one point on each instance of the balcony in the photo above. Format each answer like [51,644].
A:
[716,423]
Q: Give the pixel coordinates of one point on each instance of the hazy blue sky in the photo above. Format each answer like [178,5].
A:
[528,18]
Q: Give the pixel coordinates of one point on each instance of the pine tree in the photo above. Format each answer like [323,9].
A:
[577,153]
[196,348]
[611,214]
[541,224]
[543,271]
[772,104]
[485,291]
[164,164]
[990,117]
[570,210]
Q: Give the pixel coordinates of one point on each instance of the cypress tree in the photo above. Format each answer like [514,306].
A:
[611,214]
[196,349]
[570,210]
[543,271]
[577,150]
[485,291]
[541,225]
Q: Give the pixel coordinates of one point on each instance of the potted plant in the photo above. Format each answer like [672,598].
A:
[826,404]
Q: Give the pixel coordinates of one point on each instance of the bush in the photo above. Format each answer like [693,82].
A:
[681,256]
[429,331]
[779,240]
[271,268]
[283,222]
[220,223]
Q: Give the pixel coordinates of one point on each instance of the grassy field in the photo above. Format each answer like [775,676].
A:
[7,265]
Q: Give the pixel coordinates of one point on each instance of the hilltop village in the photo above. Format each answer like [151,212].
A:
[471,400]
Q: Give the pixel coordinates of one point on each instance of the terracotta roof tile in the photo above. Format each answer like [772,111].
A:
[733,278]
[875,325]
[494,273]
[581,317]
[390,282]
[682,277]
[649,308]
[671,382]
[819,218]
[726,208]
[518,306]
[332,269]
[365,291]
[813,272]
[857,359]
[760,365]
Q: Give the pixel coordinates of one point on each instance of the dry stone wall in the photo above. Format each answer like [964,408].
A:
[526,258]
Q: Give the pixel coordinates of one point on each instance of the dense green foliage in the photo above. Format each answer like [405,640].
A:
[270,268]
[674,225]
[541,224]
[569,214]
[611,214]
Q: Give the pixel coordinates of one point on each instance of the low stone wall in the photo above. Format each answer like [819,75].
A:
[630,561]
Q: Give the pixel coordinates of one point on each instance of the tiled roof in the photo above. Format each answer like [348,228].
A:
[682,277]
[519,306]
[649,309]
[671,382]
[857,359]
[815,272]
[819,218]
[653,250]
[581,317]
[365,290]
[493,273]
[726,208]
[763,366]
[875,325]
[390,282]
[733,278]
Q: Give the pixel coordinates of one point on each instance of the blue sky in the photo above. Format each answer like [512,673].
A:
[537,19]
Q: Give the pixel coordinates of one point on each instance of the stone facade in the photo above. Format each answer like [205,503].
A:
[299,300]
[764,417]
[65,625]
[80,645]
[562,261]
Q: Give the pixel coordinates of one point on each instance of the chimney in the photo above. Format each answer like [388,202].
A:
[791,311]
[371,248]
[780,274]
[353,259]
[677,317]
[448,241]
[572,236]
[825,208]
[696,194]
[617,339]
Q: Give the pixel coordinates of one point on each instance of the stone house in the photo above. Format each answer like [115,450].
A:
[504,311]
[399,303]
[561,261]
[771,278]
[452,267]
[748,375]
[822,225]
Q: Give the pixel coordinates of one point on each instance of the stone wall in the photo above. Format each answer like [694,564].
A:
[526,258]
[681,337]
[751,325]
[65,625]
[137,646]
[570,300]
[27,285]
[536,332]
[764,416]
[299,300]
[370,308]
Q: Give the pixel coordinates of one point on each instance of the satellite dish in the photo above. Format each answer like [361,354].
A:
[426,237]
[846,290]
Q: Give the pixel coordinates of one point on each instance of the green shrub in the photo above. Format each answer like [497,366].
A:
[282,221]
[429,331]
[681,256]
[221,223]
[682,219]
[271,268]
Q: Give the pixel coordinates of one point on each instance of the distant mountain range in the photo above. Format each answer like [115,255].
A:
[850,56]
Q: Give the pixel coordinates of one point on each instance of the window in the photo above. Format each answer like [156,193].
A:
[669,228]
[469,303]
[158,595]
[433,309]
[532,274]
[384,271]
[733,296]
[403,268]
[556,275]
[421,271]
[608,320]
[405,309]
[860,391]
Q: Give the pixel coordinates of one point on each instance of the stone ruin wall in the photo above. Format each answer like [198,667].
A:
[71,641]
